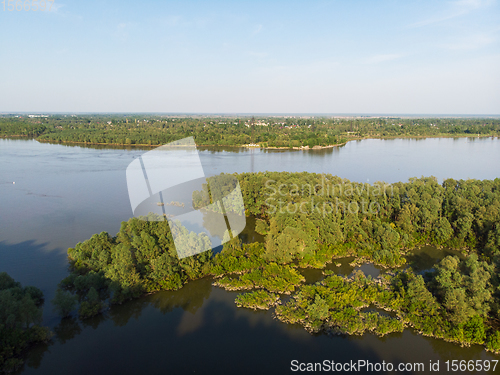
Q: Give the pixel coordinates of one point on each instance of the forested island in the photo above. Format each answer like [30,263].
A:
[20,318]
[266,132]
[309,220]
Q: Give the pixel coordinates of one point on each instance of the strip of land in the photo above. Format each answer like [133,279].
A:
[266,132]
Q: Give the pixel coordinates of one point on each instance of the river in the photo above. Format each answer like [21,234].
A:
[64,194]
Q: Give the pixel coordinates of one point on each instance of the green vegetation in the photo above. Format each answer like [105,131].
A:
[273,277]
[259,299]
[64,302]
[431,306]
[238,258]
[309,220]
[140,259]
[334,304]
[288,132]
[20,318]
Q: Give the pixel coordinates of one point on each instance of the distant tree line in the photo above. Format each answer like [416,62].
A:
[284,132]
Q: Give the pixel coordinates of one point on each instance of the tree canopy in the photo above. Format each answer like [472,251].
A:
[20,318]
[308,220]
[288,132]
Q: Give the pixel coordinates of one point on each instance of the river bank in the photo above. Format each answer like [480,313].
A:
[260,146]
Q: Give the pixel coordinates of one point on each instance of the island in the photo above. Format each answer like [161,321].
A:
[458,299]
[268,132]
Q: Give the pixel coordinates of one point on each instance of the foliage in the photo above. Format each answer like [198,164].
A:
[20,318]
[91,306]
[335,304]
[64,302]
[306,221]
[493,343]
[151,130]
[311,218]
[273,277]
[258,299]
[140,259]
[237,257]
[464,287]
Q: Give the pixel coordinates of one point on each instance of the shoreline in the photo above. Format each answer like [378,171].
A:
[251,146]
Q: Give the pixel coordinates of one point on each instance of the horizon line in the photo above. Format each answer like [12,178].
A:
[244,114]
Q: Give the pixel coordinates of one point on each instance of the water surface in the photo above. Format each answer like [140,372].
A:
[64,194]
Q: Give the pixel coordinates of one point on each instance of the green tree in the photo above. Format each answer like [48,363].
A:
[442,230]
[64,302]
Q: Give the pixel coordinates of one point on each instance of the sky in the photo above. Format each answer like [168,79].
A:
[404,57]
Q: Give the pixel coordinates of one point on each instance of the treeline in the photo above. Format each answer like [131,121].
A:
[20,318]
[311,217]
[286,132]
[15,127]
[308,220]
[140,259]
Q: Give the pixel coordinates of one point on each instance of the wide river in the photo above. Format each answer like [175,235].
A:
[64,194]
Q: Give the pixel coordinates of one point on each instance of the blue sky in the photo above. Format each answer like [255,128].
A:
[415,57]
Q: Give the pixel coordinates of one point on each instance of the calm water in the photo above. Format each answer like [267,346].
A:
[65,194]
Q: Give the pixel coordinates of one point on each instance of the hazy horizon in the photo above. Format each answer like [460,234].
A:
[327,57]
[229,114]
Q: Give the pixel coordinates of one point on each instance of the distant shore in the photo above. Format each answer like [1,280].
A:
[317,147]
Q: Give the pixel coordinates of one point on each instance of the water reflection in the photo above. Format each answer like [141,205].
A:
[64,194]
[190,298]
[202,322]
[373,309]
[368,269]
[67,329]
[420,260]
[424,258]
[199,328]
[341,267]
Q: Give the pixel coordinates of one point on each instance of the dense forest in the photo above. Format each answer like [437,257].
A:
[289,132]
[20,318]
[309,220]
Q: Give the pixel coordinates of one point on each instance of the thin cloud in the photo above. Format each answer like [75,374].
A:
[457,9]
[259,55]
[257,29]
[178,21]
[473,4]
[55,7]
[172,21]
[59,10]
[294,72]
[382,58]
[431,21]
[122,29]
[473,42]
